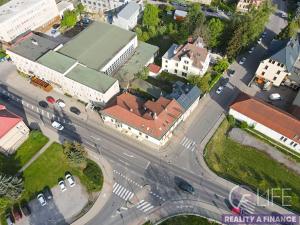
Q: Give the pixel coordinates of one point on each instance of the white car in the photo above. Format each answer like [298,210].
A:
[259,40]
[61,103]
[251,50]
[62,186]
[275,96]
[241,62]
[70,180]
[57,125]
[219,90]
[41,199]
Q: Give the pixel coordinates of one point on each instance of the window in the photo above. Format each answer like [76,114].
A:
[274,78]
[284,140]
[166,61]
[270,60]
[146,136]
[273,62]
[140,133]
[263,73]
[185,67]
[281,65]
[295,145]
[186,62]
[278,72]
[166,66]
[278,64]
[129,128]
[266,67]
[176,64]
[175,71]
[292,143]
[282,137]
[184,74]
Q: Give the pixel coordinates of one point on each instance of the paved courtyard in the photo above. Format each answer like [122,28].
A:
[60,210]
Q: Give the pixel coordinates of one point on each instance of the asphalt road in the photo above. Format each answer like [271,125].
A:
[134,167]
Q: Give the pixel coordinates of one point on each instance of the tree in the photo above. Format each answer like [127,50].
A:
[244,125]
[200,82]
[231,120]
[216,29]
[150,17]
[69,19]
[143,74]
[10,186]
[289,31]
[80,8]
[74,152]
[221,65]
[138,32]
[152,31]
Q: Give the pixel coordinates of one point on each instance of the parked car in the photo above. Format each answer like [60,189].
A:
[25,208]
[242,61]
[62,185]
[231,72]
[17,213]
[47,193]
[57,125]
[41,199]
[43,104]
[264,34]
[219,90]
[275,96]
[9,219]
[70,179]
[61,103]
[259,40]
[74,110]
[224,81]
[56,26]
[251,50]
[185,186]
[50,99]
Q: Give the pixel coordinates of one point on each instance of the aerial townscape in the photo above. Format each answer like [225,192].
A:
[149,112]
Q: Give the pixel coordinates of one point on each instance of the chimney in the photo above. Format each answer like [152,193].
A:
[154,116]
[131,110]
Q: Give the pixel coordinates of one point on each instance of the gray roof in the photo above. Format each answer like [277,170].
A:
[91,78]
[33,47]
[185,94]
[56,61]
[288,55]
[170,53]
[97,44]
[296,101]
[147,87]
[129,10]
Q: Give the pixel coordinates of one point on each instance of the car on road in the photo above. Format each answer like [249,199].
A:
[74,110]
[219,90]
[47,193]
[70,179]
[61,103]
[41,199]
[9,219]
[230,72]
[275,96]
[50,99]
[25,208]
[62,185]
[242,61]
[17,213]
[185,186]
[43,104]
[251,50]
[57,125]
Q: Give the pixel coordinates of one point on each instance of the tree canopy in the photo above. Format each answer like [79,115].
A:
[69,18]
[216,29]
[150,17]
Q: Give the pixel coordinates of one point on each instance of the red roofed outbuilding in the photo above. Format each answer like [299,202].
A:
[13,131]
[268,120]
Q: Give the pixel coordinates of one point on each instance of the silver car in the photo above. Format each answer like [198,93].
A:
[41,199]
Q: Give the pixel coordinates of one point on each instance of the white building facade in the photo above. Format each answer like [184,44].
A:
[127,18]
[17,17]
[96,6]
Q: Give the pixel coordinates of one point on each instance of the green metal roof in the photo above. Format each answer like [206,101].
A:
[97,44]
[56,61]
[136,63]
[96,80]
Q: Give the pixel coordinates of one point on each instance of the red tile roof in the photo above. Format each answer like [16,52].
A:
[151,118]
[154,68]
[271,117]
[8,120]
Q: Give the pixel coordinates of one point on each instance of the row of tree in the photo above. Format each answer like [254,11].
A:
[70,17]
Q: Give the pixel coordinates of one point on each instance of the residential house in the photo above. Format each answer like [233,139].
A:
[151,121]
[203,2]
[154,69]
[282,66]
[96,6]
[179,15]
[127,18]
[64,6]
[13,131]
[268,120]
[190,58]
[245,5]
[18,17]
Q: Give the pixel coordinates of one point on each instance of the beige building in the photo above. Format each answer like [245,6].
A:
[245,5]
[205,2]
[282,66]
[13,131]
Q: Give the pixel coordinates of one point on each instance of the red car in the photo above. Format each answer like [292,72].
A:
[17,213]
[50,99]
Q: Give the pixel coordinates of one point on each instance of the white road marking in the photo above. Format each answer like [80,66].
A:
[131,156]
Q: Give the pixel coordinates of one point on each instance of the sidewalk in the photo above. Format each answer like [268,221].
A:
[41,151]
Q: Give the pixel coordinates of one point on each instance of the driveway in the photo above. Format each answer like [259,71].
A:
[60,210]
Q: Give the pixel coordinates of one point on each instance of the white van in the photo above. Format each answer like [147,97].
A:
[275,96]
[57,125]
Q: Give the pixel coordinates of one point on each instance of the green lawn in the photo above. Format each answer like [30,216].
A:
[249,166]
[2,2]
[188,220]
[11,164]
[47,170]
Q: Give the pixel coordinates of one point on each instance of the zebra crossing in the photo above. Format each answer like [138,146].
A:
[122,192]
[144,206]
[247,206]
[188,143]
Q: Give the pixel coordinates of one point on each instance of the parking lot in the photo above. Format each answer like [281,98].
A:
[60,210]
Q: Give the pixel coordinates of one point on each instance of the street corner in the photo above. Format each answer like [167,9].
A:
[143,193]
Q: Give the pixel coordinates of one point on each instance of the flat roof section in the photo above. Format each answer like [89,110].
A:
[97,44]
[98,81]
[56,61]
[33,47]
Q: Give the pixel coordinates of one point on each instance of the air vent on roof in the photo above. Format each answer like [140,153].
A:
[33,41]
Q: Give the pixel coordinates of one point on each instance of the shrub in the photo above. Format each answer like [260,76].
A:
[244,125]
[231,120]
[94,175]
[74,152]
